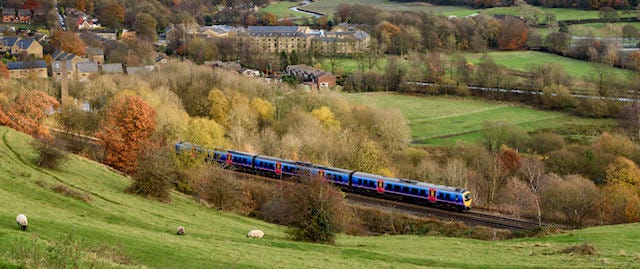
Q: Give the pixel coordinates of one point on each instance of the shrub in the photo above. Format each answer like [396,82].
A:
[49,156]
[220,189]
[155,174]
[66,191]
[316,211]
[585,248]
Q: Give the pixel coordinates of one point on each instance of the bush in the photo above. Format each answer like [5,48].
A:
[49,156]
[316,211]
[219,189]
[66,191]
[155,175]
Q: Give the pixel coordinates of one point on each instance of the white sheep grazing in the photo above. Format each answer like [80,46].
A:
[180,230]
[21,219]
[255,234]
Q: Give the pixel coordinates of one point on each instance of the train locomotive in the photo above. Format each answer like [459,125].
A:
[412,191]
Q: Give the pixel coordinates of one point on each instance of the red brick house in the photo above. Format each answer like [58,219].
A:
[8,15]
[24,15]
[311,76]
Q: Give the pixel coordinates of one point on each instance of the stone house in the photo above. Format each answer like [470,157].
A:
[85,69]
[36,69]
[305,74]
[95,55]
[28,46]
[112,68]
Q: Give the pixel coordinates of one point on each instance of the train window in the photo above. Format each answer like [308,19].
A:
[448,197]
[371,184]
[414,191]
[359,181]
[396,188]
[440,196]
[405,189]
[423,193]
[335,178]
[340,178]
[467,197]
[388,187]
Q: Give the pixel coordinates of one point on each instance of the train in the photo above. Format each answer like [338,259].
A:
[406,190]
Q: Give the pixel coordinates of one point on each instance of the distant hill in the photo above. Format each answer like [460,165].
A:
[115,229]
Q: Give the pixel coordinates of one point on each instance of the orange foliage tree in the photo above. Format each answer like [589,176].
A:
[31,4]
[512,35]
[68,41]
[27,113]
[113,15]
[4,71]
[126,127]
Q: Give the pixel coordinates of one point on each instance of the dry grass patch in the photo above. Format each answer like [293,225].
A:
[66,191]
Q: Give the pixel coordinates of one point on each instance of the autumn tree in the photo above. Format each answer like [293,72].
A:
[31,4]
[620,203]
[127,124]
[81,5]
[269,19]
[532,170]
[205,132]
[512,35]
[113,15]
[28,112]
[4,71]
[145,27]
[68,42]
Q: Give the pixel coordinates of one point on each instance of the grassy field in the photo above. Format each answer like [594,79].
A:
[281,9]
[522,60]
[446,120]
[329,6]
[561,13]
[118,230]
[348,65]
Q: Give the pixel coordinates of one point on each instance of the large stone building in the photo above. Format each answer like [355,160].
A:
[303,39]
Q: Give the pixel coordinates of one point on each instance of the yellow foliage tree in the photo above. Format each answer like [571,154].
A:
[205,132]
[219,106]
[265,109]
[326,117]
[623,170]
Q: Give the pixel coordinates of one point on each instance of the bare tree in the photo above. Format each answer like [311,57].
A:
[532,170]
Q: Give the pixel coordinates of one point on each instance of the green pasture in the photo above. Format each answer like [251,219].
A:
[349,65]
[523,60]
[119,230]
[328,7]
[561,13]
[438,120]
[281,10]
[601,29]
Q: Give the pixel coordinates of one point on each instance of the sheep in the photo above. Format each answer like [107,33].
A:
[255,234]
[21,219]
[180,230]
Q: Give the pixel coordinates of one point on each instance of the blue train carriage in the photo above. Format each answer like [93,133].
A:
[216,156]
[240,160]
[447,197]
[272,166]
[334,175]
[368,183]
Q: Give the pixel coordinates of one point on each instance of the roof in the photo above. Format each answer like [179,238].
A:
[137,69]
[59,55]
[9,40]
[56,66]
[9,11]
[24,12]
[301,68]
[24,43]
[273,29]
[94,51]
[87,67]
[26,65]
[112,68]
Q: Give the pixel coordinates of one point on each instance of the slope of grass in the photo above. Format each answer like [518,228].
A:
[281,9]
[445,120]
[119,230]
[328,7]
[523,60]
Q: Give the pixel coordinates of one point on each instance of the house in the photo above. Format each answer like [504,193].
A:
[8,42]
[132,70]
[87,24]
[36,69]
[111,68]
[58,68]
[216,31]
[249,72]
[85,69]
[24,15]
[320,79]
[59,55]
[28,46]
[114,68]
[233,66]
[40,11]
[95,55]
[8,15]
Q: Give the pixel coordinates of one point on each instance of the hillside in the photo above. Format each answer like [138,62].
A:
[115,229]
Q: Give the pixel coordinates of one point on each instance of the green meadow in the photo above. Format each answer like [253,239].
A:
[443,120]
[328,7]
[281,10]
[119,230]
[523,60]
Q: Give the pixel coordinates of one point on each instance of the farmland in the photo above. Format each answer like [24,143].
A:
[329,6]
[281,9]
[115,229]
[446,120]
